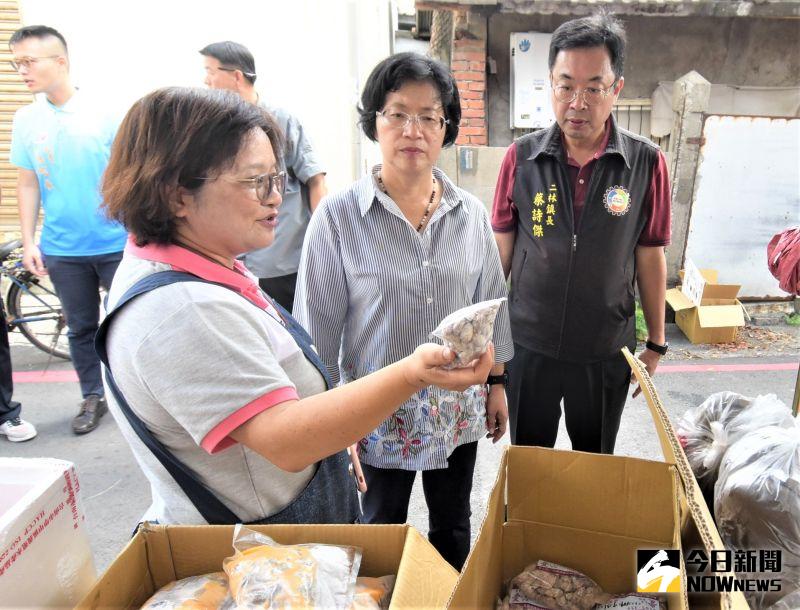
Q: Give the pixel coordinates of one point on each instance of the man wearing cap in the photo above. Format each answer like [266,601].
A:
[230,65]
[581,215]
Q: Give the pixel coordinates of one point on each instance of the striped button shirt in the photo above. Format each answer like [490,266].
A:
[371,289]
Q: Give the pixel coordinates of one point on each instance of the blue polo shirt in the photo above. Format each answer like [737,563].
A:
[68,147]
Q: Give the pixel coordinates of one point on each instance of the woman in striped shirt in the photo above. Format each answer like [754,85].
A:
[383,263]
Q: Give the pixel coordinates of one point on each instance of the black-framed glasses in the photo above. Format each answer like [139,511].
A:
[592,96]
[263,184]
[27,62]
[228,69]
[428,122]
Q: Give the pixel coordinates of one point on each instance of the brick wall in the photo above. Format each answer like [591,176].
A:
[468,63]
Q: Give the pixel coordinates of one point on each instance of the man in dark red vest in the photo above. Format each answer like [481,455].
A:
[581,215]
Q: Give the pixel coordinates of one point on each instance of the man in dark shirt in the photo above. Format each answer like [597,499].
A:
[581,214]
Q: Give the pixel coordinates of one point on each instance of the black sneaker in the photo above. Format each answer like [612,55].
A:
[92,409]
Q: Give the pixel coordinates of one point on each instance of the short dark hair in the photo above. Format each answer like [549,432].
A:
[394,72]
[232,55]
[600,29]
[36,31]
[170,138]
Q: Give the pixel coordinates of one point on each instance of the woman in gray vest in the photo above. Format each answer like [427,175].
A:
[219,391]
[382,264]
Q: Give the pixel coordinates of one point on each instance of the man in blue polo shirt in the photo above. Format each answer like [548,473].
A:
[61,144]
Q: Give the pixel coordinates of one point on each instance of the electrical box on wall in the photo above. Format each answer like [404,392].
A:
[530,88]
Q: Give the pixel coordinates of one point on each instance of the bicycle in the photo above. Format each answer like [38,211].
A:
[32,304]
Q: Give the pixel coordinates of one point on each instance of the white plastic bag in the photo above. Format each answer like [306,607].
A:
[468,331]
[757,503]
[265,574]
[708,430]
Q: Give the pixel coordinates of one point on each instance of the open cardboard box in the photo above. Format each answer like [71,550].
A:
[159,554]
[719,315]
[586,511]
[591,513]
[698,530]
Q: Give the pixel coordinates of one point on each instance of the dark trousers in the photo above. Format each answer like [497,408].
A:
[594,395]
[77,280]
[447,492]
[9,409]
[281,289]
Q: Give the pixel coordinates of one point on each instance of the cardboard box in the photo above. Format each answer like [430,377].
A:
[719,315]
[698,530]
[45,557]
[159,554]
[586,511]
[591,513]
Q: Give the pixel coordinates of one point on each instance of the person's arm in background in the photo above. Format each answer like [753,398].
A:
[492,285]
[302,160]
[317,189]
[505,246]
[28,198]
[651,263]
[504,212]
[321,298]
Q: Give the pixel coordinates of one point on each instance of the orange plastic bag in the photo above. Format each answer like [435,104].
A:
[265,574]
[373,593]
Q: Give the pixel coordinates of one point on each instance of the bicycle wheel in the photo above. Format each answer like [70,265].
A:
[36,311]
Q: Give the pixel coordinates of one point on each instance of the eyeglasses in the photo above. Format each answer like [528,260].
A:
[429,123]
[592,96]
[263,184]
[226,69]
[27,62]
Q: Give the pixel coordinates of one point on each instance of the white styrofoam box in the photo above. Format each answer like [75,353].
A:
[45,557]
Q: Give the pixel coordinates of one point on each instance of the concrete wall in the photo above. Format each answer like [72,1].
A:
[312,57]
[731,51]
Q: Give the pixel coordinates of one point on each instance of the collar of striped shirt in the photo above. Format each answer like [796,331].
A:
[368,192]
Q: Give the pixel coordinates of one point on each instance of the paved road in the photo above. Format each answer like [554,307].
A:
[115,493]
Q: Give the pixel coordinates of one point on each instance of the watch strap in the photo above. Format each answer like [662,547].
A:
[498,379]
[655,347]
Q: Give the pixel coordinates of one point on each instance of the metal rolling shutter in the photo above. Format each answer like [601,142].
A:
[13,95]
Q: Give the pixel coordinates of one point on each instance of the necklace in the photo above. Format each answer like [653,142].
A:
[427,207]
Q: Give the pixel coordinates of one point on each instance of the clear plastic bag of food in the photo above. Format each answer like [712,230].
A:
[706,431]
[549,585]
[373,593]
[265,574]
[468,331]
[205,592]
[633,601]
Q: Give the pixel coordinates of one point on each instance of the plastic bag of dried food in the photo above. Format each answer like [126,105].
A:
[373,593]
[467,331]
[265,574]
[633,601]
[708,430]
[757,501]
[552,586]
[205,592]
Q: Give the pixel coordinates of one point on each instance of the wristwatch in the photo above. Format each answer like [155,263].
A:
[497,379]
[655,347]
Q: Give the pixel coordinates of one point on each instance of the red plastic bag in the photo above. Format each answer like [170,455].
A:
[783,258]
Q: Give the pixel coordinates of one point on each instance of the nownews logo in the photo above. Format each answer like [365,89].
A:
[659,570]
